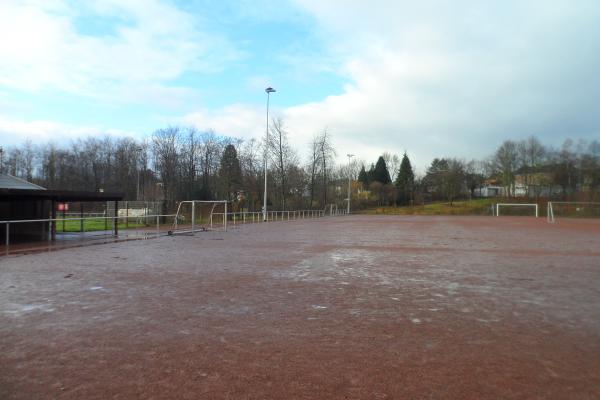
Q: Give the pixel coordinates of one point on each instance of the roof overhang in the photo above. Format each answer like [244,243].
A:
[58,195]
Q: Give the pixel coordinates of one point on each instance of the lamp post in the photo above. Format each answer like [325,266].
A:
[268,90]
[349,179]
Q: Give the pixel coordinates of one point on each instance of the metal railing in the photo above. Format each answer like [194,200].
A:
[257,216]
[241,217]
[143,227]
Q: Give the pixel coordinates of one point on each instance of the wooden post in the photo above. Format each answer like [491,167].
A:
[53,223]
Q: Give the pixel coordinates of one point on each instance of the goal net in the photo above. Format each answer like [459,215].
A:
[200,215]
[566,209]
[528,209]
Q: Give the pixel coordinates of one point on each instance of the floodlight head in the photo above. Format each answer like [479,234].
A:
[270,90]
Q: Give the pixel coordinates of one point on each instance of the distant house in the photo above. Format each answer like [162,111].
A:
[490,188]
[535,182]
[489,191]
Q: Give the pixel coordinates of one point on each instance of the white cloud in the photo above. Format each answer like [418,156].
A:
[150,43]
[435,78]
[456,78]
[237,120]
[14,132]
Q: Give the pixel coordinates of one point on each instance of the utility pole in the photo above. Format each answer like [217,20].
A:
[268,90]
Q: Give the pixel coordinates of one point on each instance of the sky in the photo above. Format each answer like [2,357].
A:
[449,78]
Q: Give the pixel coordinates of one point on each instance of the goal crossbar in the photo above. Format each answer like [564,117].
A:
[498,205]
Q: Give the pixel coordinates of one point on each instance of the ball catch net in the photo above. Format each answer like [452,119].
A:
[566,209]
[529,209]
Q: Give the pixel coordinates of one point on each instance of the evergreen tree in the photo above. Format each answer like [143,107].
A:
[371,173]
[230,172]
[363,177]
[405,181]
[381,173]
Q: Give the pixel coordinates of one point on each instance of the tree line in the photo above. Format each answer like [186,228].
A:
[526,168]
[182,163]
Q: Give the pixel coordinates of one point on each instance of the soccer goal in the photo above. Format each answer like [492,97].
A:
[200,215]
[572,209]
[521,207]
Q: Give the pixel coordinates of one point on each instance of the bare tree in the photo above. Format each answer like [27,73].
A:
[165,143]
[327,156]
[506,162]
[393,164]
[282,156]
[531,153]
[313,167]
[251,163]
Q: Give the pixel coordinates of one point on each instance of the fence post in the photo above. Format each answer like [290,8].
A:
[225,217]
[53,222]
[81,215]
[116,218]
[157,226]
[7,234]
[193,216]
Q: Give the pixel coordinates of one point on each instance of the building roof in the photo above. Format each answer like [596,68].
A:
[57,195]
[12,182]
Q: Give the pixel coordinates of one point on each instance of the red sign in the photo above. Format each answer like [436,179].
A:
[63,206]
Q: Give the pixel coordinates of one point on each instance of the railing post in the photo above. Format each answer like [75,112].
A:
[193,216]
[81,216]
[225,217]
[7,235]
[116,218]
[53,222]
[157,226]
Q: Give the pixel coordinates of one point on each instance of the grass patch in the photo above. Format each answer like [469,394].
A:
[468,207]
[94,224]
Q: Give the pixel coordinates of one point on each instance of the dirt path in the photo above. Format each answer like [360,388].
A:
[360,307]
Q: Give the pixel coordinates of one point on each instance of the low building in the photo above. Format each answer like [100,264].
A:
[21,200]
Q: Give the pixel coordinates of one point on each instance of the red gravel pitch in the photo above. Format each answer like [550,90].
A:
[355,307]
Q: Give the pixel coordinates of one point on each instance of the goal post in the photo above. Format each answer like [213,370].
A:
[200,215]
[507,205]
[572,209]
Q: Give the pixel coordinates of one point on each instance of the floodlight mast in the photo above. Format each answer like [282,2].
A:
[268,90]
[349,179]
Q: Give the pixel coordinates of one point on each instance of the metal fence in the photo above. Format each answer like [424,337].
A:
[52,233]
[257,216]
[56,233]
